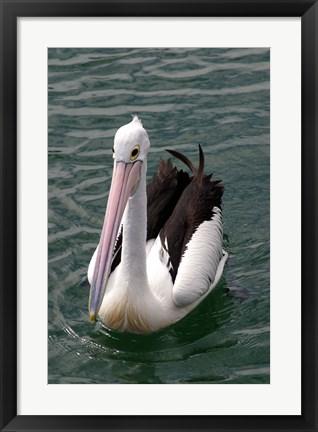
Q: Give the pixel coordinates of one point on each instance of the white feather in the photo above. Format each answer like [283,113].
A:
[159,278]
[200,262]
[90,271]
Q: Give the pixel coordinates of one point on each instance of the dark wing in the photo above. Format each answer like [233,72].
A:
[163,193]
[195,206]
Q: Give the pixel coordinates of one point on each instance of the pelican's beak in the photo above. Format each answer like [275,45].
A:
[125,181]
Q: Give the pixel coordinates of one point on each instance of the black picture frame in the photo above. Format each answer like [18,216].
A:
[10,11]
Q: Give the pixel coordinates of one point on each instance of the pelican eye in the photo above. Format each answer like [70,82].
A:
[113,149]
[135,152]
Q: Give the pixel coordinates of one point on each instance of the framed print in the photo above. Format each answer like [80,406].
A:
[233,86]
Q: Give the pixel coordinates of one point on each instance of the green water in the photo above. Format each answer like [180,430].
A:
[216,97]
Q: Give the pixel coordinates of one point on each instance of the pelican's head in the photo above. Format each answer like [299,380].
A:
[131,142]
[131,146]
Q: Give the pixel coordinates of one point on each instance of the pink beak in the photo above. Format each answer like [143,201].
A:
[125,181]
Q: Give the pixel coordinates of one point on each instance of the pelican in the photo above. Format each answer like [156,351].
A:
[160,251]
